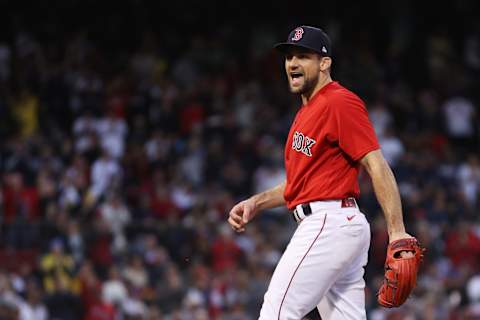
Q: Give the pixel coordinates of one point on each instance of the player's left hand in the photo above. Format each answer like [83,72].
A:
[400,272]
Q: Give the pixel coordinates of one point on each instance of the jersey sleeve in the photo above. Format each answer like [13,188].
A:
[354,131]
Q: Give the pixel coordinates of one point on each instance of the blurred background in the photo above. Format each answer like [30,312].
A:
[129,129]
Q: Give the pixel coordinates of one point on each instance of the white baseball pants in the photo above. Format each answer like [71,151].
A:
[322,267]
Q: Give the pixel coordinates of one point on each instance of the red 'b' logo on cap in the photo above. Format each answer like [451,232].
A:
[298,34]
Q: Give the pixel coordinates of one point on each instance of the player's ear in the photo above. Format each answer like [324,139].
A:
[325,63]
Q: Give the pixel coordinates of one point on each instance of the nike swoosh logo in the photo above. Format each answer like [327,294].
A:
[349,218]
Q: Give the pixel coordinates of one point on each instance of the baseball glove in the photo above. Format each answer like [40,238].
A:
[400,273]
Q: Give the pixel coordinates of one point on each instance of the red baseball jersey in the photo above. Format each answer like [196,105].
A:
[327,138]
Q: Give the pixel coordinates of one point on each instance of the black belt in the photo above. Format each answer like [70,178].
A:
[307,209]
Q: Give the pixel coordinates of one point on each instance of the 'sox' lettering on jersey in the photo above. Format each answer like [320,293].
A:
[302,143]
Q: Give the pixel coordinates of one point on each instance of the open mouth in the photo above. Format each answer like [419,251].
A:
[296,76]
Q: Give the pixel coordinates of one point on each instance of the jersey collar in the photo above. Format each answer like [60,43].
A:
[320,92]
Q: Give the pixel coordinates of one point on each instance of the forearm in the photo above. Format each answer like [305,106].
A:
[270,198]
[388,196]
[386,191]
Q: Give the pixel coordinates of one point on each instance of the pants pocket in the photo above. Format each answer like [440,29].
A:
[354,225]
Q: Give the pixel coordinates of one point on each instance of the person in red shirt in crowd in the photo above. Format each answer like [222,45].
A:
[21,211]
[19,199]
[330,139]
[462,246]
[225,252]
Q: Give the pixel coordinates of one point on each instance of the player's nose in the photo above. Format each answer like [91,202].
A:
[293,63]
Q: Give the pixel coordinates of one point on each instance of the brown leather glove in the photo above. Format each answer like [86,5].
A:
[400,273]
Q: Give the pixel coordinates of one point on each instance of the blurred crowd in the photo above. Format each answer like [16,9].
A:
[118,169]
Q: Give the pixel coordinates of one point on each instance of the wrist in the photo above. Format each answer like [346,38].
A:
[396,231]
[398,235]
[255,200]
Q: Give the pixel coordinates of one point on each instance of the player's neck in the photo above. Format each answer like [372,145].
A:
[321,83]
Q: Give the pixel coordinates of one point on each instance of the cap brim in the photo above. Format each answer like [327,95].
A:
[284,47]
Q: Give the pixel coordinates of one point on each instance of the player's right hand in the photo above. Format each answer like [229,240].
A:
[241,214]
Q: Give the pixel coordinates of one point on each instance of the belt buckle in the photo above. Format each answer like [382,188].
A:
[349,203]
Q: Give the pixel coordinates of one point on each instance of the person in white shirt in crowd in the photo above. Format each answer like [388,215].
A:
[116,216]
[381,118]
[105,174]
[392,147]
[85,130]
[33,308]
[459,113]
[469,180]
[112,131]
[114,290]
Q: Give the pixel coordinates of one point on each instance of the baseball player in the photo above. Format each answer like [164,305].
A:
[329,140]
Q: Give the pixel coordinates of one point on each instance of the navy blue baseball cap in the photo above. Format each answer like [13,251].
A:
[307,37]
